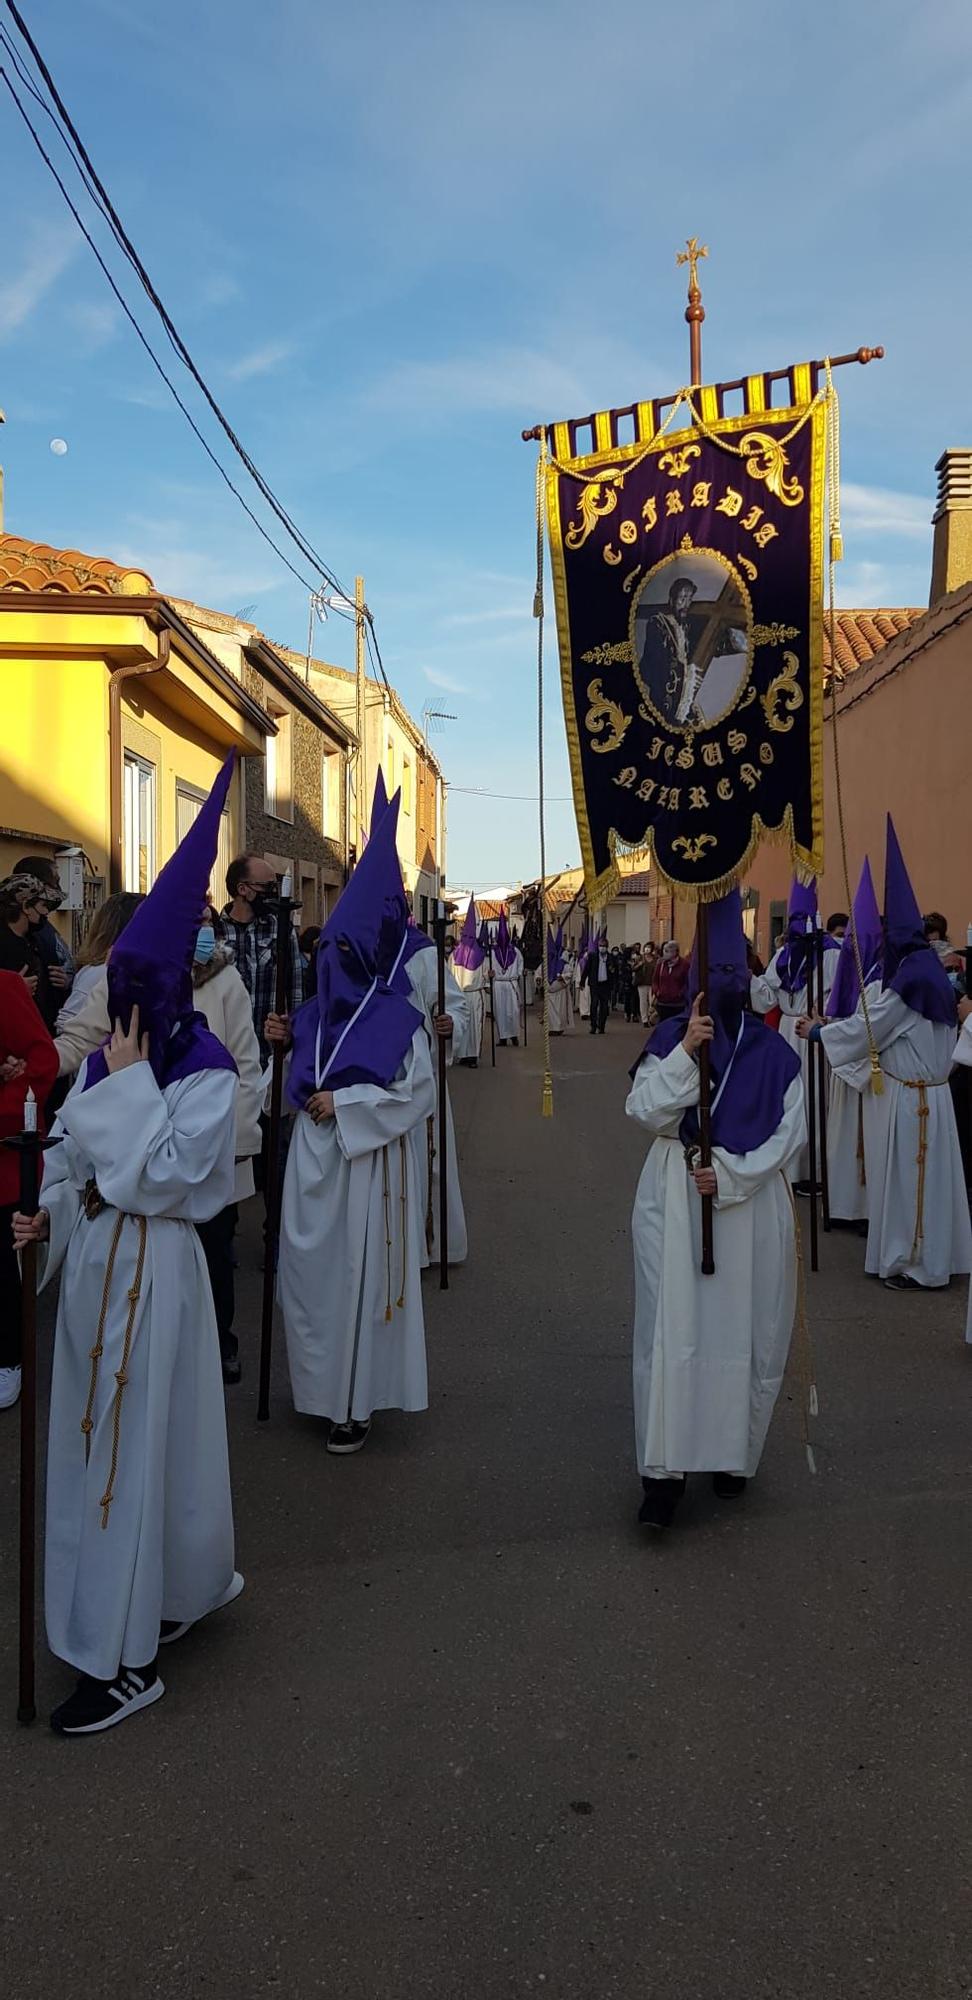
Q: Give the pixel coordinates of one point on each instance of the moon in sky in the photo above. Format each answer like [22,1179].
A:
[59,447]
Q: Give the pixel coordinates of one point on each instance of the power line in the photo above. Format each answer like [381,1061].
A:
[99,194]
[524,798]
[153,357]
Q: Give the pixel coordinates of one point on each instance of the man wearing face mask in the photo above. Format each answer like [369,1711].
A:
[23,909]
[248,925]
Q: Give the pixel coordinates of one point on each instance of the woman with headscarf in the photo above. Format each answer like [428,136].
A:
[919,1235]
[360,1079]
[139,1535]
[709,1353]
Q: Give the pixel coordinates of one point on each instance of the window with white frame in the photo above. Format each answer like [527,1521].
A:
[138,823]
[278,789]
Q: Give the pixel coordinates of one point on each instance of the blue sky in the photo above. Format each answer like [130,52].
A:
[394,235]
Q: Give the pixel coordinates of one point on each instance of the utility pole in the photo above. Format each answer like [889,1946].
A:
[361,817]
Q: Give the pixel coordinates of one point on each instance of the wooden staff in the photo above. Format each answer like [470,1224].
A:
[811,1102]
[440,933]
[705,1091]
[523,982]
[822,1073]
[281,982]
[29,1146]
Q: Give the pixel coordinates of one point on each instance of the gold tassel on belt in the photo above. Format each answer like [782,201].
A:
[403,1169]
[388,1240]
[121,1374]
[923,1114]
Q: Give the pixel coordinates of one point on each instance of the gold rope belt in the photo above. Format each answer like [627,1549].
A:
[121,1374]
[923,1086]
[429,1206]
[386,1203]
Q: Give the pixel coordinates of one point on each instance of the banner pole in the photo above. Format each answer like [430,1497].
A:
[820,1053]
[705,1091]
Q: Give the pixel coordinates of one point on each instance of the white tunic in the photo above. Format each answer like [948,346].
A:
[423,978]
[846,1155]
[471,981]
[167,1551]
[766,992]
[709,1353]
[560,1012]
[506,997]
[351,1298]
[918,1210]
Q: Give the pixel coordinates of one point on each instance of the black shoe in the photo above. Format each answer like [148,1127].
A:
[661,1499]
[232,1370]
[728,1485]
[346,1438]
[516,1041]
[902,1283]
[174,1628]
[97,1705]
[804,1188]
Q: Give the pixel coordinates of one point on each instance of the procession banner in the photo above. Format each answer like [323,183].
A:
[687,569]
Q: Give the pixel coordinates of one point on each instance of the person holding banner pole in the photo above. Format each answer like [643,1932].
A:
[708,1359]
[29,1146]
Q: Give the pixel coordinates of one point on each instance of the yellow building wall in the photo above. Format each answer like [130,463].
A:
[180,752]
[54,755]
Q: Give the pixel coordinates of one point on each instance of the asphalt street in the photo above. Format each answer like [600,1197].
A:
[468,1731]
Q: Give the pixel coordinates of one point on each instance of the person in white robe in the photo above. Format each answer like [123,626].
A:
[360,1079]
[422,972]
[784,986]
[919,1234]
[710,1352]
[507,985]
[850,1086]
[469,970]
[582,991]
[560,1013]
[139,1527]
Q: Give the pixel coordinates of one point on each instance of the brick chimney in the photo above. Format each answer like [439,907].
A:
[952,521]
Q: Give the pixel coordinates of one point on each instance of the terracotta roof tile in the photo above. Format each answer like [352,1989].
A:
[861,634]
[35,566]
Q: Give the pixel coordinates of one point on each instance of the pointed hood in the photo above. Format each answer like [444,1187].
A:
[752,1067]
[793,962]
[379,803]
[504,951]
[151,963]
[865,924]
[360,1024]
[912,969]
[469,952]
[555,954]
[484,937]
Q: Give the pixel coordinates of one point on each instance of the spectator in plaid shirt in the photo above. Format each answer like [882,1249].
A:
[250,930]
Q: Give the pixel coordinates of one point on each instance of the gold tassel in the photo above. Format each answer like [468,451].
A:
[877,1080]
[547,1107]
[836,546]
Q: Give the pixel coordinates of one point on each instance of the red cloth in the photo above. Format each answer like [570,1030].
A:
[22,1034]
[670,981]
[774,1017]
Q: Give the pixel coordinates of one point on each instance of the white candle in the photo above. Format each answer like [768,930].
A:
[30,1111]
[286,885]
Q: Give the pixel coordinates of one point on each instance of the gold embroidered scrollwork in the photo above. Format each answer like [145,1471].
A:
[676,462]
[694,845]
[775,634]
[605,715]
[783,688]
[607,655]
[597,499]
[768,461]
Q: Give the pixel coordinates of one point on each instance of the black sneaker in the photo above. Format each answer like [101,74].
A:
[661,1499]
[803,1188]
[728,1485]
[97,1705]
[172,1628]
[232,1371]
[902,1283]
[346,1438]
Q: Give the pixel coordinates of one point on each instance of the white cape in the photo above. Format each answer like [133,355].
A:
[918,1210]
[167,1550]
[351,1228]
[506,998]
[709,1353]
[467,1041]
[766,993]
[422,972]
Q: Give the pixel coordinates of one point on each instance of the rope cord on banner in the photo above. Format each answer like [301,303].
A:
[835,553]
[547,1105]
[586,474]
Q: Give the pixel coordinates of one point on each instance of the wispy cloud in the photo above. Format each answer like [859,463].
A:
[220,290]
[503,378]
[497,614]
[95,323]
[879,510]
[446,682]
[218,578]
[262,361]
[24,290]
[147,398]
